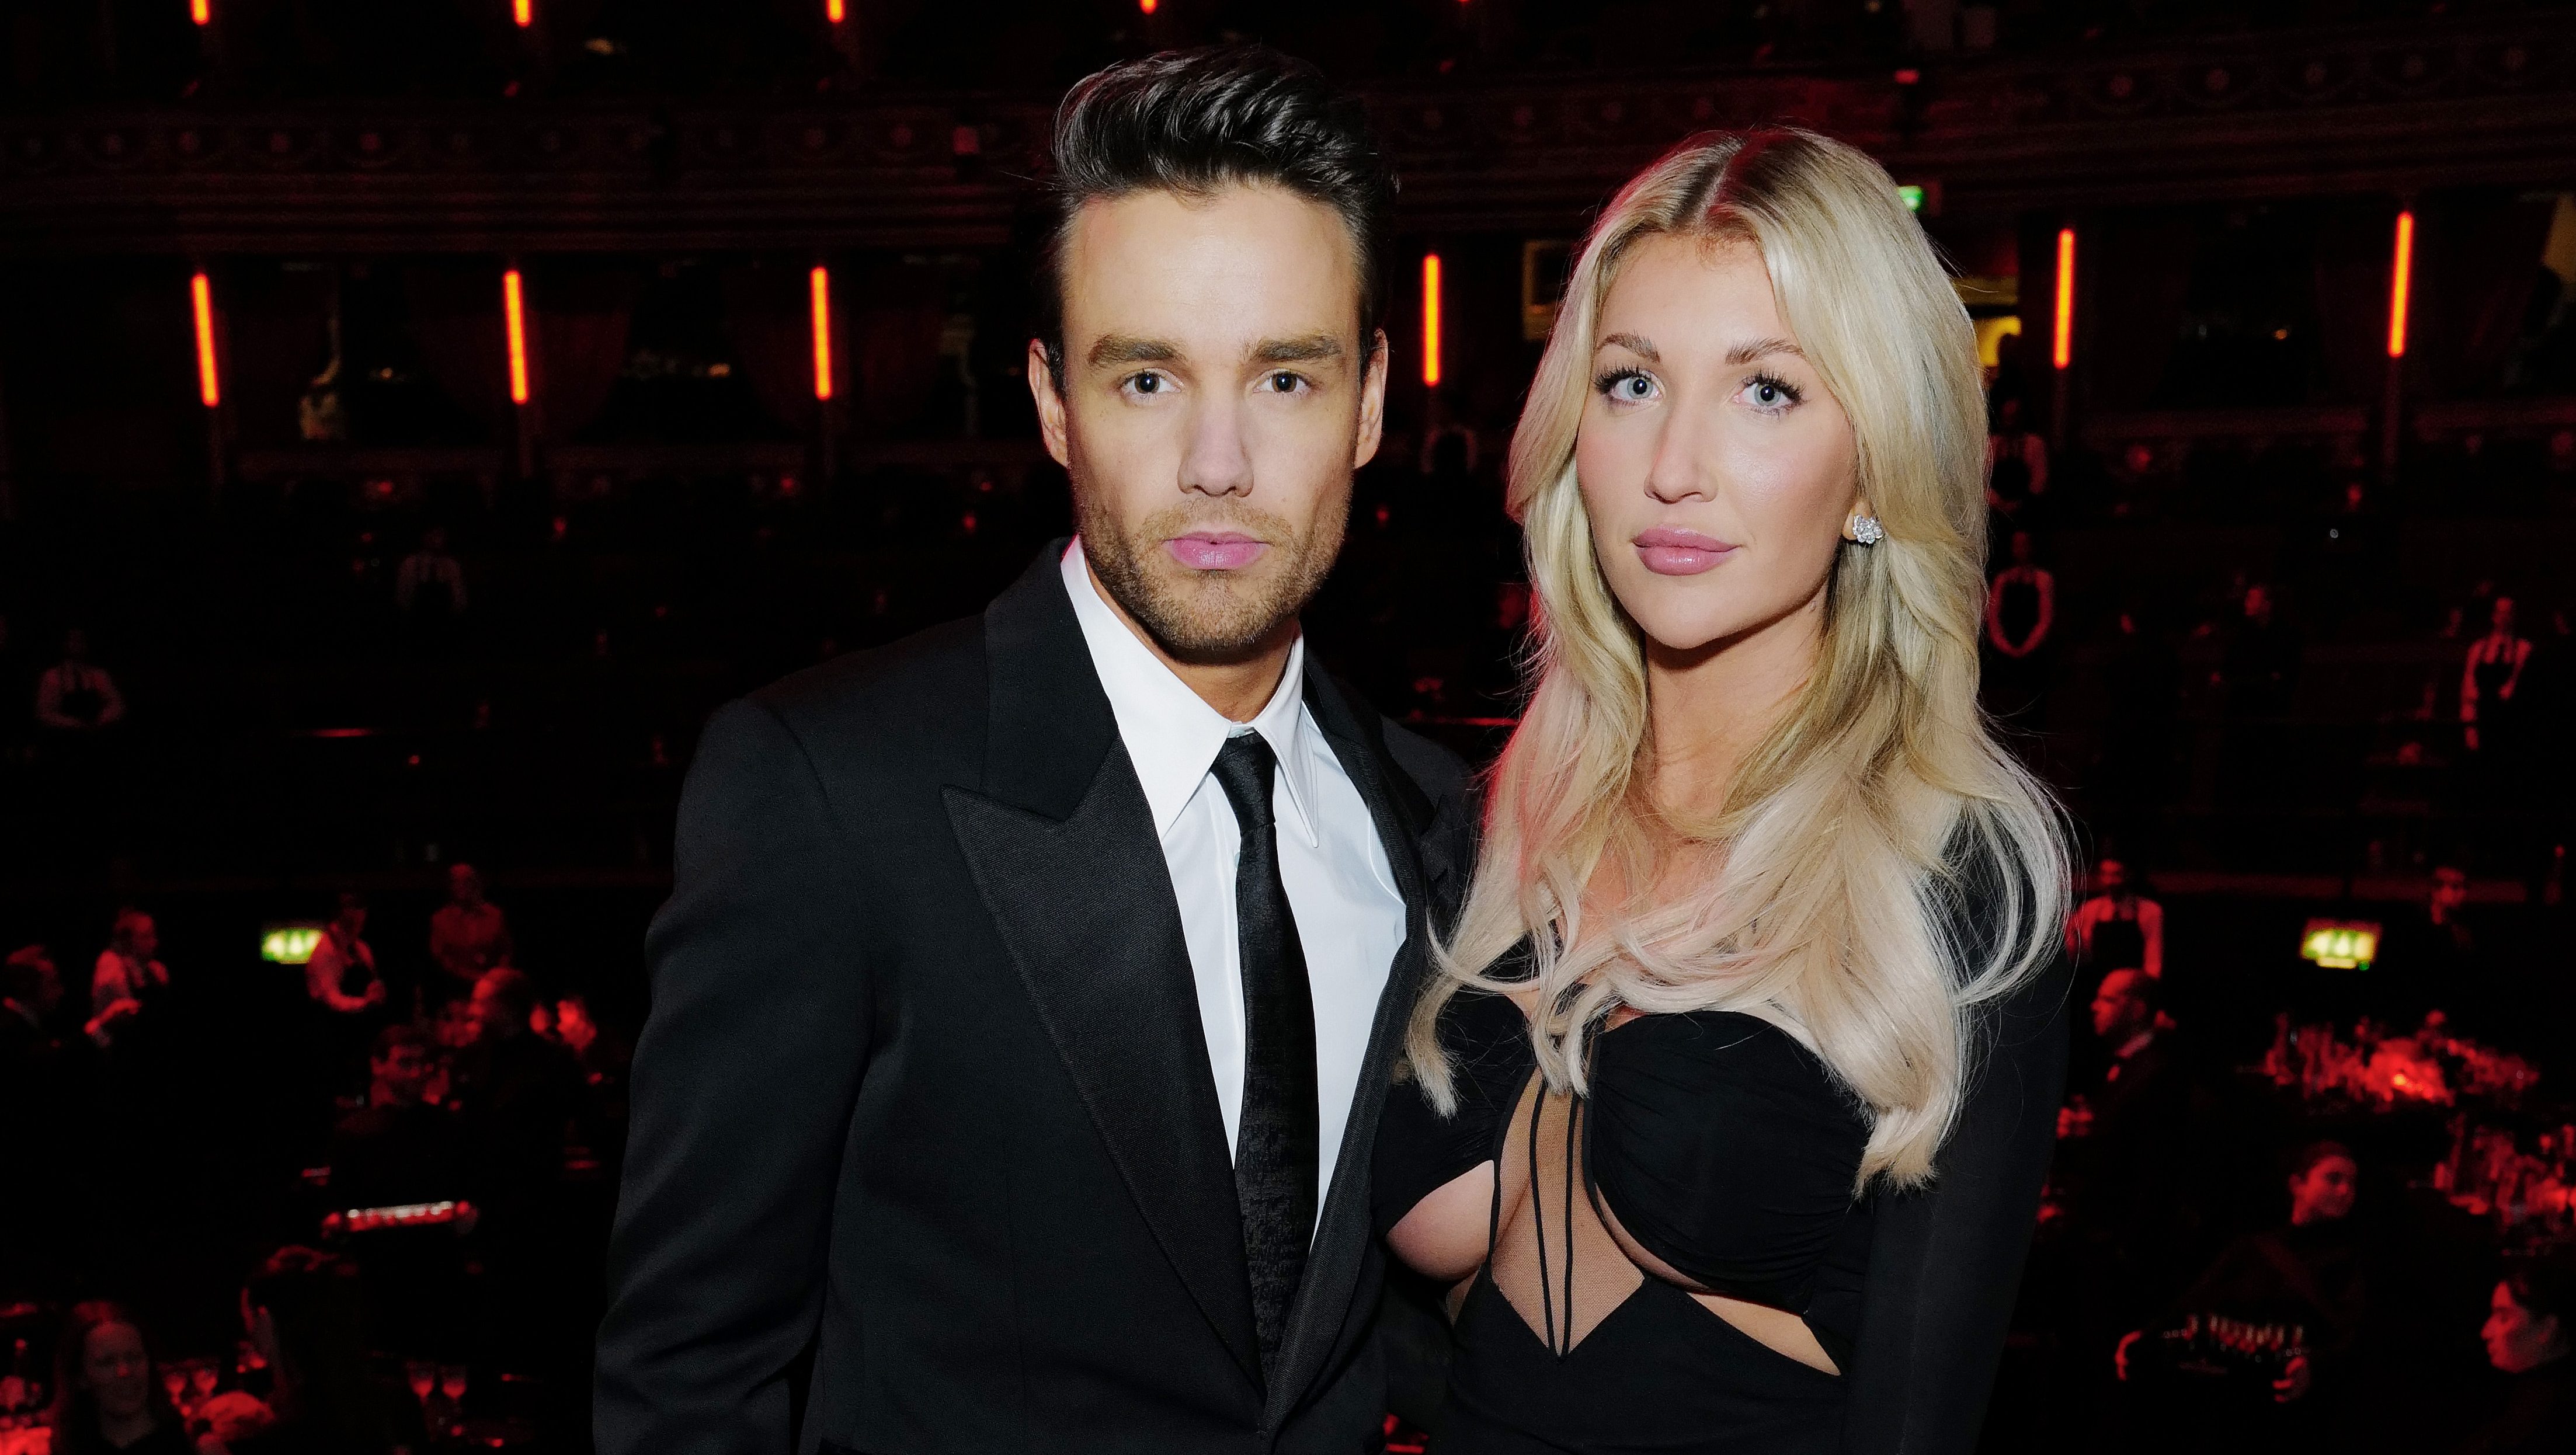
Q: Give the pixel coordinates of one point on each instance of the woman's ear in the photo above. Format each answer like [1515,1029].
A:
[1860,511]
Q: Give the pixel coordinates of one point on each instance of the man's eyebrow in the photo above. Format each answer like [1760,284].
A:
[1746,353]
[1633,344]
[1304,348]
[1119,348]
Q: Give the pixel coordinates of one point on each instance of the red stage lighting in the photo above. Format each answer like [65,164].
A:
[524,12]
[201,296]
[836,11]
[513,311]
[1430,318]
[2400,277]
[201,11]
[822,334]
[2062,351]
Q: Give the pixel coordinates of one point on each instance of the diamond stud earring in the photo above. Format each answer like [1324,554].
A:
[1865,530]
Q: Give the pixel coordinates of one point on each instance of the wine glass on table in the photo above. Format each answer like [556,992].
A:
[422,1376]
[452,1383]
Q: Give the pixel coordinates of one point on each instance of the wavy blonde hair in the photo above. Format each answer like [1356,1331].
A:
[1881,866]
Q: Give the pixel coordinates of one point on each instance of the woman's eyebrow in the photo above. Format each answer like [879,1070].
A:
[1633,344]
[1746,353]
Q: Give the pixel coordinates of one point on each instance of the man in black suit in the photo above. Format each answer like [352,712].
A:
[1029,990]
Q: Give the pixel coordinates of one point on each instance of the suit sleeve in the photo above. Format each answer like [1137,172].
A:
[1945,1263]
[742,1091]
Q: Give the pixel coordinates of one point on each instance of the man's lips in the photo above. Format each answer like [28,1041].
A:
[1671,551]
[1215,550]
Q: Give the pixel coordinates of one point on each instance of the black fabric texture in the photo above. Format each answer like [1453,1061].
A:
[1419,1151]
[1276,1146]
[1725,1149]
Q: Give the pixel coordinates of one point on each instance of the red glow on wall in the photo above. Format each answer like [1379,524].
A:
[524,12]
[202,11]
[1430,318]
[514,313]
[836,11]
[2062,345]
[1147,6]
[201,295]
[2400,278]
[822,333]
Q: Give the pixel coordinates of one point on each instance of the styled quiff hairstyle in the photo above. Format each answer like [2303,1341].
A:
[1195,122]
[1881,867]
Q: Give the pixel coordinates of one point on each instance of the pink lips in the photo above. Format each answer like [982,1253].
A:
[1215,550]
[1671,551]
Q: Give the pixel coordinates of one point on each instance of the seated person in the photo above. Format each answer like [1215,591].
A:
[399,1149]
[106,1397]
[300,1310]
[2528,1338]
[2311,1275]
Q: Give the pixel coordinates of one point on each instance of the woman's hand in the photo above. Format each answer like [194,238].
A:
[2293,1381]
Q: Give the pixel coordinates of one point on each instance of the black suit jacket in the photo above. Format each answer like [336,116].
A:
[926,1150]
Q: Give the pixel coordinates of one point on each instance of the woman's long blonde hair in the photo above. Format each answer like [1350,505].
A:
[1880,866]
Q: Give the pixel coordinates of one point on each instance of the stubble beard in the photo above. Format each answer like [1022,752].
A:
[1207,616]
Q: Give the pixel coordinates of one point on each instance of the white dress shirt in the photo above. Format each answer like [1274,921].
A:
[1350,916]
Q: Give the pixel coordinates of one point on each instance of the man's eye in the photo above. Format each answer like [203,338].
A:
[1147,383]
[1284,382]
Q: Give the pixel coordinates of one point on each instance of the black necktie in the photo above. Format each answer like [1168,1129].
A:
[1276,1151]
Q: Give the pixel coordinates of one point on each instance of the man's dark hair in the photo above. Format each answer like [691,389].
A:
[1193,122]
[2544,1284]
[2305,1159]
[510,989]
[23,975]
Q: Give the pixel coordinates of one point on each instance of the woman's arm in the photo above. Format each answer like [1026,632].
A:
[1945,1262]
[2513,679]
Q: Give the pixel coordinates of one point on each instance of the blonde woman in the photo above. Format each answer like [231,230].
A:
[1728,1115]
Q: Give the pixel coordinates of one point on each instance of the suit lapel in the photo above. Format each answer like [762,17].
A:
[1063,850]
[1343,1234]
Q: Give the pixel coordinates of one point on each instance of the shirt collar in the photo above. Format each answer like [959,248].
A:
[1172,735]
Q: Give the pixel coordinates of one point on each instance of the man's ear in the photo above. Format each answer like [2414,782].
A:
[1372,402]
[1048,391]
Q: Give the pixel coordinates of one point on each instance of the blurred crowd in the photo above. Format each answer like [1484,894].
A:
[452,1165]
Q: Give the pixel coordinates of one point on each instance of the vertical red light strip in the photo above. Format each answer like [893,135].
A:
[2062,350]
[524,12]
[2400,278]
[835,11]
[1430,318]
[201,295]
[514,314]
[822,333]
[201,11]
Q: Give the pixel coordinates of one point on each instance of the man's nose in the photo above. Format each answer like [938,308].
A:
[1217,460]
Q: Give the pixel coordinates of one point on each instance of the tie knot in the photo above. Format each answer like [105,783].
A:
[1244,769]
